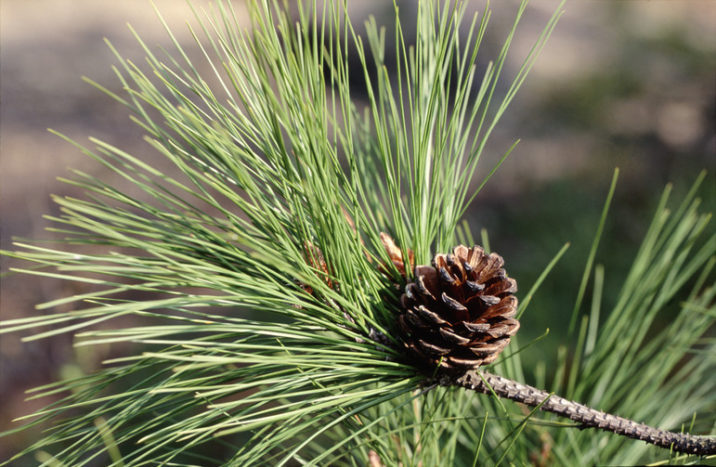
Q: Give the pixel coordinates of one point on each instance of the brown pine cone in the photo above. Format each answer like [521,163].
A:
[459,313]
[314,257]
[395,255]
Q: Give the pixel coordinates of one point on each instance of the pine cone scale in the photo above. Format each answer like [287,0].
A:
[423,289]
[414,320]
[476,328]
[459,311]
[474,287]
[453,338]
[432,318]
[488,300]
[433,349]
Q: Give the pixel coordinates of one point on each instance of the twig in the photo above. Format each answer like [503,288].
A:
[589,418]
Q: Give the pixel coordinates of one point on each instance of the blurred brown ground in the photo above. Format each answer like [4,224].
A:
[47,45]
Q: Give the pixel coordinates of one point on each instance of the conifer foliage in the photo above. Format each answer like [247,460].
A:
[257,283]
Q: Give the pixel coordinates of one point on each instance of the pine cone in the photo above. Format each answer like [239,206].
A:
[395,255]
[459,313]
[314,257]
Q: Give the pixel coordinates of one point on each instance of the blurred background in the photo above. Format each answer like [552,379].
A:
[625,83]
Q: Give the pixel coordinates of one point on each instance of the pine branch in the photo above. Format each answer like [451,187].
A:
[262,282]
[488,383]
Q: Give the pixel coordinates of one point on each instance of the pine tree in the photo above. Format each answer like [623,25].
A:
[266,275]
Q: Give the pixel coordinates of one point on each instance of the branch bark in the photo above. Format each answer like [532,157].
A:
[589,418]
